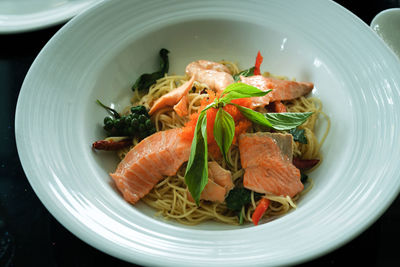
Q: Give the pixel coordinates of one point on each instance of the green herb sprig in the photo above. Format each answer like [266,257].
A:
[196,176]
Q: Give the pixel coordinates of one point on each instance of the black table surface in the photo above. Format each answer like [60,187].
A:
[29,234]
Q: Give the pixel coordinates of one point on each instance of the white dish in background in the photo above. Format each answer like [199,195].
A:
[27,15]
[387,25]
[99,54]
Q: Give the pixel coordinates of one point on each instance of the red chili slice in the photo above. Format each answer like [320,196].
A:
[260,210]
[111,145]
[305,164]
[259,60]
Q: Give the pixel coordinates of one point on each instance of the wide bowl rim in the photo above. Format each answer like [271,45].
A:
[96,241]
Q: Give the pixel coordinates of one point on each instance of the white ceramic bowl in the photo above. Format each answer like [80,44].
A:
[387,25]
[99,54]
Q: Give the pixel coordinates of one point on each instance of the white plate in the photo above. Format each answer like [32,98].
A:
[99,54]
[27,15]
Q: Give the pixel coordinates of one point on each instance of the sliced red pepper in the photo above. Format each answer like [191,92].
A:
[261,208]
[304,164]
[111,145]
[259,60]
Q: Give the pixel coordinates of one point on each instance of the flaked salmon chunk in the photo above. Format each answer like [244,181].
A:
[281,89]
[172,98]
[215,75]
[155,157]
[219,183]
[267,160]
[181,108]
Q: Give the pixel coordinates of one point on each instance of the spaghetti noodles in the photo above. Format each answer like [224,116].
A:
[170,196]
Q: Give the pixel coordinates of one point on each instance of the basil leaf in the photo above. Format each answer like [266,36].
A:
[286,121]
[196,175]
[278,121]
[224,131]
[298,135]
[232,95]
[246,73]
[240,90]
[148,79]
[226,99]
[244,89]
[254,116]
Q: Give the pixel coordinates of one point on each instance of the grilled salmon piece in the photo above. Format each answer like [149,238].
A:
[181,108]
[220,176]
[266,158]
[219,183]
[172,98]
[284,142]
[216,75]
[281,89]
[212,192]
[156,156]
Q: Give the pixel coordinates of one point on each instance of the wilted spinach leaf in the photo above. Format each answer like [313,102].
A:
[303,178]
[298,135]
[147,79]
[239,197]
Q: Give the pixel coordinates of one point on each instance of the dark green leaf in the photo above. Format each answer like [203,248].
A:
[246,73]
[277,121]
[224,131]
[147,79]
[286,121]
[196,176]
[239,197]
[164,64]
[298,135]
[303,178]
[112,111]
